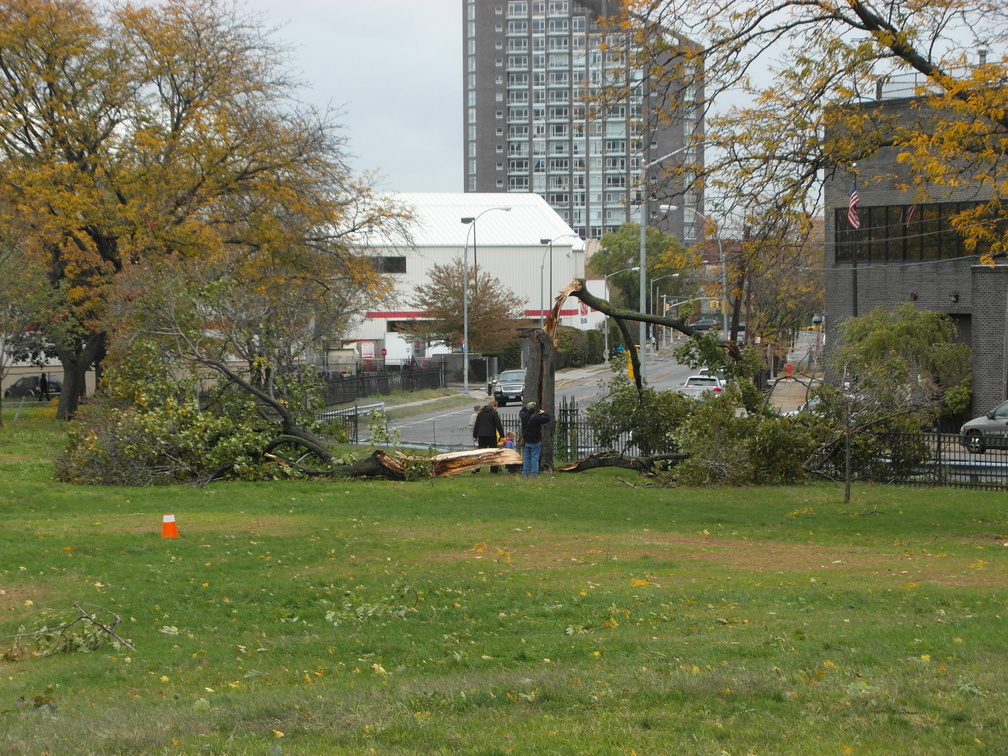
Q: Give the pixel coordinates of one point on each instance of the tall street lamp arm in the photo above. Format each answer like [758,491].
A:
[542,312]
[471,222]
[605,286]
[643,255]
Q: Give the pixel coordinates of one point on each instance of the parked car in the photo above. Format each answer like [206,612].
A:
[699,386]
[706,323]
[29,386]
[810,406]
[987,432]
[509,387]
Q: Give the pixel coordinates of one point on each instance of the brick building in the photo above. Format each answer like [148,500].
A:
[906,250]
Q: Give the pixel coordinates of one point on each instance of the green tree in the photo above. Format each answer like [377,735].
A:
[494,311]
[648,418]
[21,302]
[908,360]
[666,259]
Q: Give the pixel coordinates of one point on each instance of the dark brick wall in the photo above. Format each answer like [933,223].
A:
[975,296]
[990,299]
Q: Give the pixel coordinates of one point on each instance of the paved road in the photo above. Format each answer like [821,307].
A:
[450,428]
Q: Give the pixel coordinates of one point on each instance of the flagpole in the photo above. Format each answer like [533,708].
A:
[855,223]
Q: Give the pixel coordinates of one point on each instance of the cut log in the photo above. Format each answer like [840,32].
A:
[452,463]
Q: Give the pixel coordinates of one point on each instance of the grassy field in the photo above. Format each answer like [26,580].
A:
[579,614]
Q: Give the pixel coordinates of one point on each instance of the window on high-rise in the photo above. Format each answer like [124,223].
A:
[517,8]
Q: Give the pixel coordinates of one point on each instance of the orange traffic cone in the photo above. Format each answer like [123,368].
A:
[169,529]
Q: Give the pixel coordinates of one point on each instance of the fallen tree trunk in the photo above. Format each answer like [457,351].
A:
[377,465]
[612,459]
[381,465]
[454,463]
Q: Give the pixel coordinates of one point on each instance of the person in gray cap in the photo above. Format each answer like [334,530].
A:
[532,420]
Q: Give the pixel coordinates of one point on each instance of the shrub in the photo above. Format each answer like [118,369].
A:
[648,418]
[726,447]
[147,425]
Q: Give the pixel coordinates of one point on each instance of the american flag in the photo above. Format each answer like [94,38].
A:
[852,216]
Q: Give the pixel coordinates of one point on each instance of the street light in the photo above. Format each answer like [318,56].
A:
[542,312]
[654,298]
[654,289]
[471,221]
[721,262]
[643,253]
[605,285]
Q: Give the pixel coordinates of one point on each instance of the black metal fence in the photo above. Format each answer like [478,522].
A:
[573,437]
[343,389]
[916,459]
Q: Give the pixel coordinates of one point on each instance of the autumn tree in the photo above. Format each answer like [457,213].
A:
[494,311]
[774,277]
[666,258]
[132,134]
[813,111]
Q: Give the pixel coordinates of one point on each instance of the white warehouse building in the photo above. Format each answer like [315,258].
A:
[527,247]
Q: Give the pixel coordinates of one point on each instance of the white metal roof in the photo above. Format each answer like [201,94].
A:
[438,220]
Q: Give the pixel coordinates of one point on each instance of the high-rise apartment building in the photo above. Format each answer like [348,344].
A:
[535,72]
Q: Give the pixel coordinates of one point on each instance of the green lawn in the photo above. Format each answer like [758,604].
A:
[574,614]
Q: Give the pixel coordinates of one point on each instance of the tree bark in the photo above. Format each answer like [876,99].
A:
[540,387]
[377,465]
[611,459]
[76,363]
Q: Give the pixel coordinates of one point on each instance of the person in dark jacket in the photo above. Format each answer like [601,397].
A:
[532,420]
[487,429]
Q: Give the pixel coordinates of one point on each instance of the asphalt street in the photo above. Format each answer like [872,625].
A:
[449,429]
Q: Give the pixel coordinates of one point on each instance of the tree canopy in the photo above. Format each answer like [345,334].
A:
[494,311]
[807,74]
[133,134]
[906,360]
[666,257]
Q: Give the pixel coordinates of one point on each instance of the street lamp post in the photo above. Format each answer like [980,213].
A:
[643,253]
[721,262]
[542,313]
[654,296]
[471,222]
[542,263]
[605,285]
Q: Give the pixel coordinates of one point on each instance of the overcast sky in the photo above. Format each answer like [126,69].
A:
[393,68]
